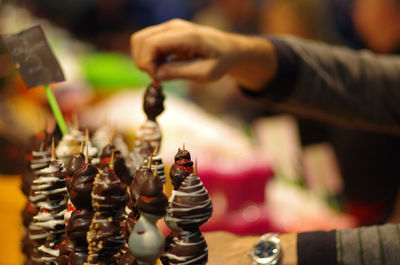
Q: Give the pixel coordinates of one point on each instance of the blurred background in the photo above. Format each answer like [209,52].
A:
[286,174]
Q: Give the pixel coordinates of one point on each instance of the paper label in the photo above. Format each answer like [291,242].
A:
[33,57]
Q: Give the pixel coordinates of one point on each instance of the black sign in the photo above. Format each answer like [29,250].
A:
[33,57]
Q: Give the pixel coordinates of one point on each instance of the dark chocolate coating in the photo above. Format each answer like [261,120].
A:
[105,235]
[185,155]
[105,238]
[36,257]
[197,204]
[127,259]
[77,227]
[81,187]
[110,196]
[27,245]
[153,101]
[140,177]
[177,176]
[152,199]
[66,248]
[182,168]
[119,166]
[78,258]
[28,213]
[27,178]
[76,163]
[190,248]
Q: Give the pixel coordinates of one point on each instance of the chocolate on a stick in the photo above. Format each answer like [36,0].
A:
[146,242]
[189,207]
[48,225]
[182,167]
[105,236]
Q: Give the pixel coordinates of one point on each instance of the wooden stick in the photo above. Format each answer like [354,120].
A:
[112,160]
[195,167]
[155,170]
[155,151]
[87,153]
[53,149]
[75,121]
[149,162]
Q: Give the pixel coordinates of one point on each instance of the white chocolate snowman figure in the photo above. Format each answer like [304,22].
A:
[146,242]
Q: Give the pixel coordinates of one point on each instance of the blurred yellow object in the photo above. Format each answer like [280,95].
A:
[12,202]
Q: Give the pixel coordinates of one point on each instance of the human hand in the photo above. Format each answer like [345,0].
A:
[227,248]
[201,53]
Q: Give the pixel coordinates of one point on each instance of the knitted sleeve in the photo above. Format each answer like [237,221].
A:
[354,88]
[373,245]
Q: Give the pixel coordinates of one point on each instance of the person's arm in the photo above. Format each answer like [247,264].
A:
[227,248]
[377,245]
[356,88]
[201,53]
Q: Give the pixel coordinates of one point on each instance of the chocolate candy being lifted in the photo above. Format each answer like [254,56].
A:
[153,101]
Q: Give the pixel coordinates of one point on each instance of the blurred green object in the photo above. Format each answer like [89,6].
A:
[111,72]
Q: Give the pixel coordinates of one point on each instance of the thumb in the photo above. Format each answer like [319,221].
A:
[199,69]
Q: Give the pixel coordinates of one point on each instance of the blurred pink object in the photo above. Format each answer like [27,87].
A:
[238,195]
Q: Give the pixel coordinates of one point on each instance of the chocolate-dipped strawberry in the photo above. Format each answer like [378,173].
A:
[182,167]
[153,101]
[77,229]
[146,242]
[38,159]
[66,248]
[76,163]
[105,236]
[189,207]
[119,163]
[48,225]
[81,186]
[189,248]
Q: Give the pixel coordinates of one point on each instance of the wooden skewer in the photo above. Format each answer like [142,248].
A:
[87,153]
[53,149]
[155,170]
[155,151]
[112,160]
[87,135]
[81,150]
[149,162]
[195,167]
[76,121]
[109,139]
[183,147]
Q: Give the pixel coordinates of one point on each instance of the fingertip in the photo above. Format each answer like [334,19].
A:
[162,74]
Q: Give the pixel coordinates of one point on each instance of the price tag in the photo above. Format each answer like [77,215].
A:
[33,57]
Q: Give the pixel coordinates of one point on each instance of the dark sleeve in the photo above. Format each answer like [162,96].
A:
[378,245]
[316,248]
[353,88]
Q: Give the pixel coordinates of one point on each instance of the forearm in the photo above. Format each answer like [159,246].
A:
[255,62]
[336,83]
